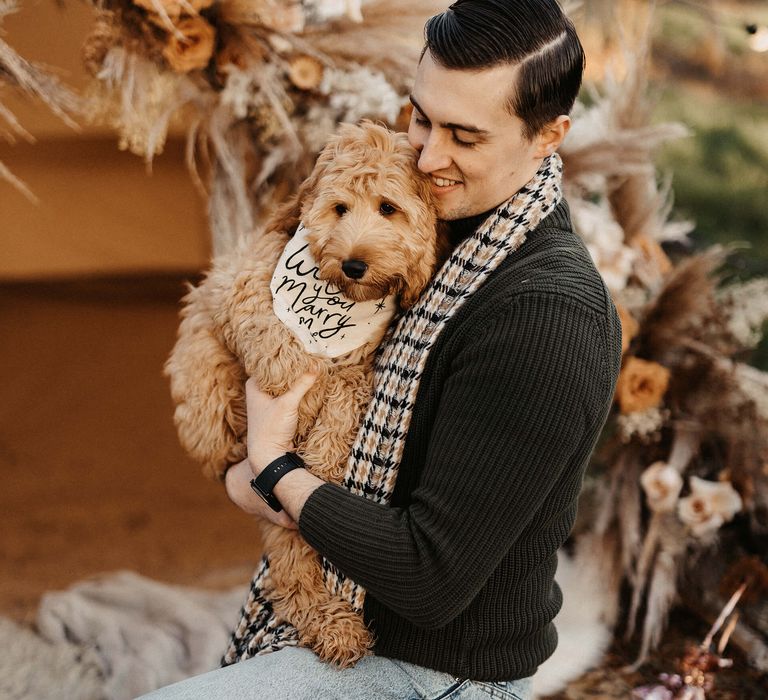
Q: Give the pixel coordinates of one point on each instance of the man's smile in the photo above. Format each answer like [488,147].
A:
[442,184]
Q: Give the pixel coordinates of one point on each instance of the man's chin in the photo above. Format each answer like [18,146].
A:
[452,213]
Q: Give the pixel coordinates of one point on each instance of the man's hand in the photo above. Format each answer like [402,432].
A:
[238,484]
[272,421]
[271,429]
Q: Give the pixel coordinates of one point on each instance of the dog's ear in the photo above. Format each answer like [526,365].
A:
[424,224]
[418,278]
[287,216]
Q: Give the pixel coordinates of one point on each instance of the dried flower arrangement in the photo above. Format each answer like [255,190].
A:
[35,81]
[259,85]
[682,463]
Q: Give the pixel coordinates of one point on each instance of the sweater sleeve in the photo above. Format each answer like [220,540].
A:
[510,417]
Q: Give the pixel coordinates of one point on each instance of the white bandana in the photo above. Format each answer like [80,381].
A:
[321,317]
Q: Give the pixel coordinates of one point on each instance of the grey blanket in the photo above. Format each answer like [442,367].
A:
[144,634]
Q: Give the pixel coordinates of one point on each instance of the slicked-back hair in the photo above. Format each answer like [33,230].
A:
[534,34]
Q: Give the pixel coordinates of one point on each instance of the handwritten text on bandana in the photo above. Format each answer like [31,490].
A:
[322,318]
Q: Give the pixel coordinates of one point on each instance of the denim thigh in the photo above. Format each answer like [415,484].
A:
[294,673]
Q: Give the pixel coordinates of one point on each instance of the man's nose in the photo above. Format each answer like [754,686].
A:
[433,155]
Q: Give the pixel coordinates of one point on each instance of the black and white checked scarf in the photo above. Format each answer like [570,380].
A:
[375,457]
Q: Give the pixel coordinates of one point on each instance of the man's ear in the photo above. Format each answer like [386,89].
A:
[552,135]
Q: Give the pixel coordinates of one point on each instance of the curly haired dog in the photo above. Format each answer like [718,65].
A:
[372,232]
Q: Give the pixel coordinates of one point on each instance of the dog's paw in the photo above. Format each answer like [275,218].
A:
[341,639]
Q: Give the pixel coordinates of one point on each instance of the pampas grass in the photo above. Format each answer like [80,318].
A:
[684,306]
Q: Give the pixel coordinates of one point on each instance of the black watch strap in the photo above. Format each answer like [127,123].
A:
[272,473]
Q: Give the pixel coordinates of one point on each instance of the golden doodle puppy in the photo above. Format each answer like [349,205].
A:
[370,241]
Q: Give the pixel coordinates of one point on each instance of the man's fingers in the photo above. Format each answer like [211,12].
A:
[300,387]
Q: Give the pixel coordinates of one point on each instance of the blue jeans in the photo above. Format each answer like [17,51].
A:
[294,673]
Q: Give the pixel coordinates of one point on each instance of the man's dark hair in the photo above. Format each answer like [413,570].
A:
[535,34]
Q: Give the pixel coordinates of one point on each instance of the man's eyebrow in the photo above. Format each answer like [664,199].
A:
[451,125]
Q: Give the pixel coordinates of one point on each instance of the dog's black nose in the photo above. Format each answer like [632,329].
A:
[354,268]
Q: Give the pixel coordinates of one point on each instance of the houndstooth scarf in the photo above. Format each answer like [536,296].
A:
[373,463]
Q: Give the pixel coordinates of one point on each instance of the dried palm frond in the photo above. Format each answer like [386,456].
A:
[230,208]
[597,147]
[629,507]
[611,145]
[662,589]
[36,82]
[685,307]
[639,578]
[640,207]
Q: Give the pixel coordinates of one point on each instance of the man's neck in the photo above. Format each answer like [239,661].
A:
[461,229]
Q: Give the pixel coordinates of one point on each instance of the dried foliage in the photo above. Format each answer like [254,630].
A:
[259,86]
[35,82]
[682,460]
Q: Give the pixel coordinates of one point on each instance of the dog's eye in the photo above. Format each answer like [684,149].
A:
[340,209]
[385,209]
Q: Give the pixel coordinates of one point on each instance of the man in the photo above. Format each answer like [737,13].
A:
[519,350]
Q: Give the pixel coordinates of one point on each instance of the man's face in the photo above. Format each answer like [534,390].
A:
[470,145]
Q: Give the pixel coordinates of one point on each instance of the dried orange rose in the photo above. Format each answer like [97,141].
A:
[641,385]
[629,326]
[195,50]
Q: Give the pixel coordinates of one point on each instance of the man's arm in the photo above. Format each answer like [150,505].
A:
[512,414]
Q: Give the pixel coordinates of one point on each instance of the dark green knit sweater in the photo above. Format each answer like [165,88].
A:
[459,567]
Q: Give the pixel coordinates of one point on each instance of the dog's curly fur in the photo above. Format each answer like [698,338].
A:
[229,332]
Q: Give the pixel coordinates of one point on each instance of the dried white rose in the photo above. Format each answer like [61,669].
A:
[360,92]
[746,308]
[662,485]
[604,239]
[710,504]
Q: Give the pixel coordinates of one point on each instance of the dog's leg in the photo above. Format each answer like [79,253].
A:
[346,395]
[268,350]
[207,385]
[326,624]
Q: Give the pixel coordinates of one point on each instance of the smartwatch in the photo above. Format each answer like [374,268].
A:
[273,472]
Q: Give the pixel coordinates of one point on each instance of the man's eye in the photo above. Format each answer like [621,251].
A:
[386,209]
[341,209]
[464,144]
[421,121]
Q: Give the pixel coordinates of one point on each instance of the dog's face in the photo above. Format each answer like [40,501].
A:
[370,216]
